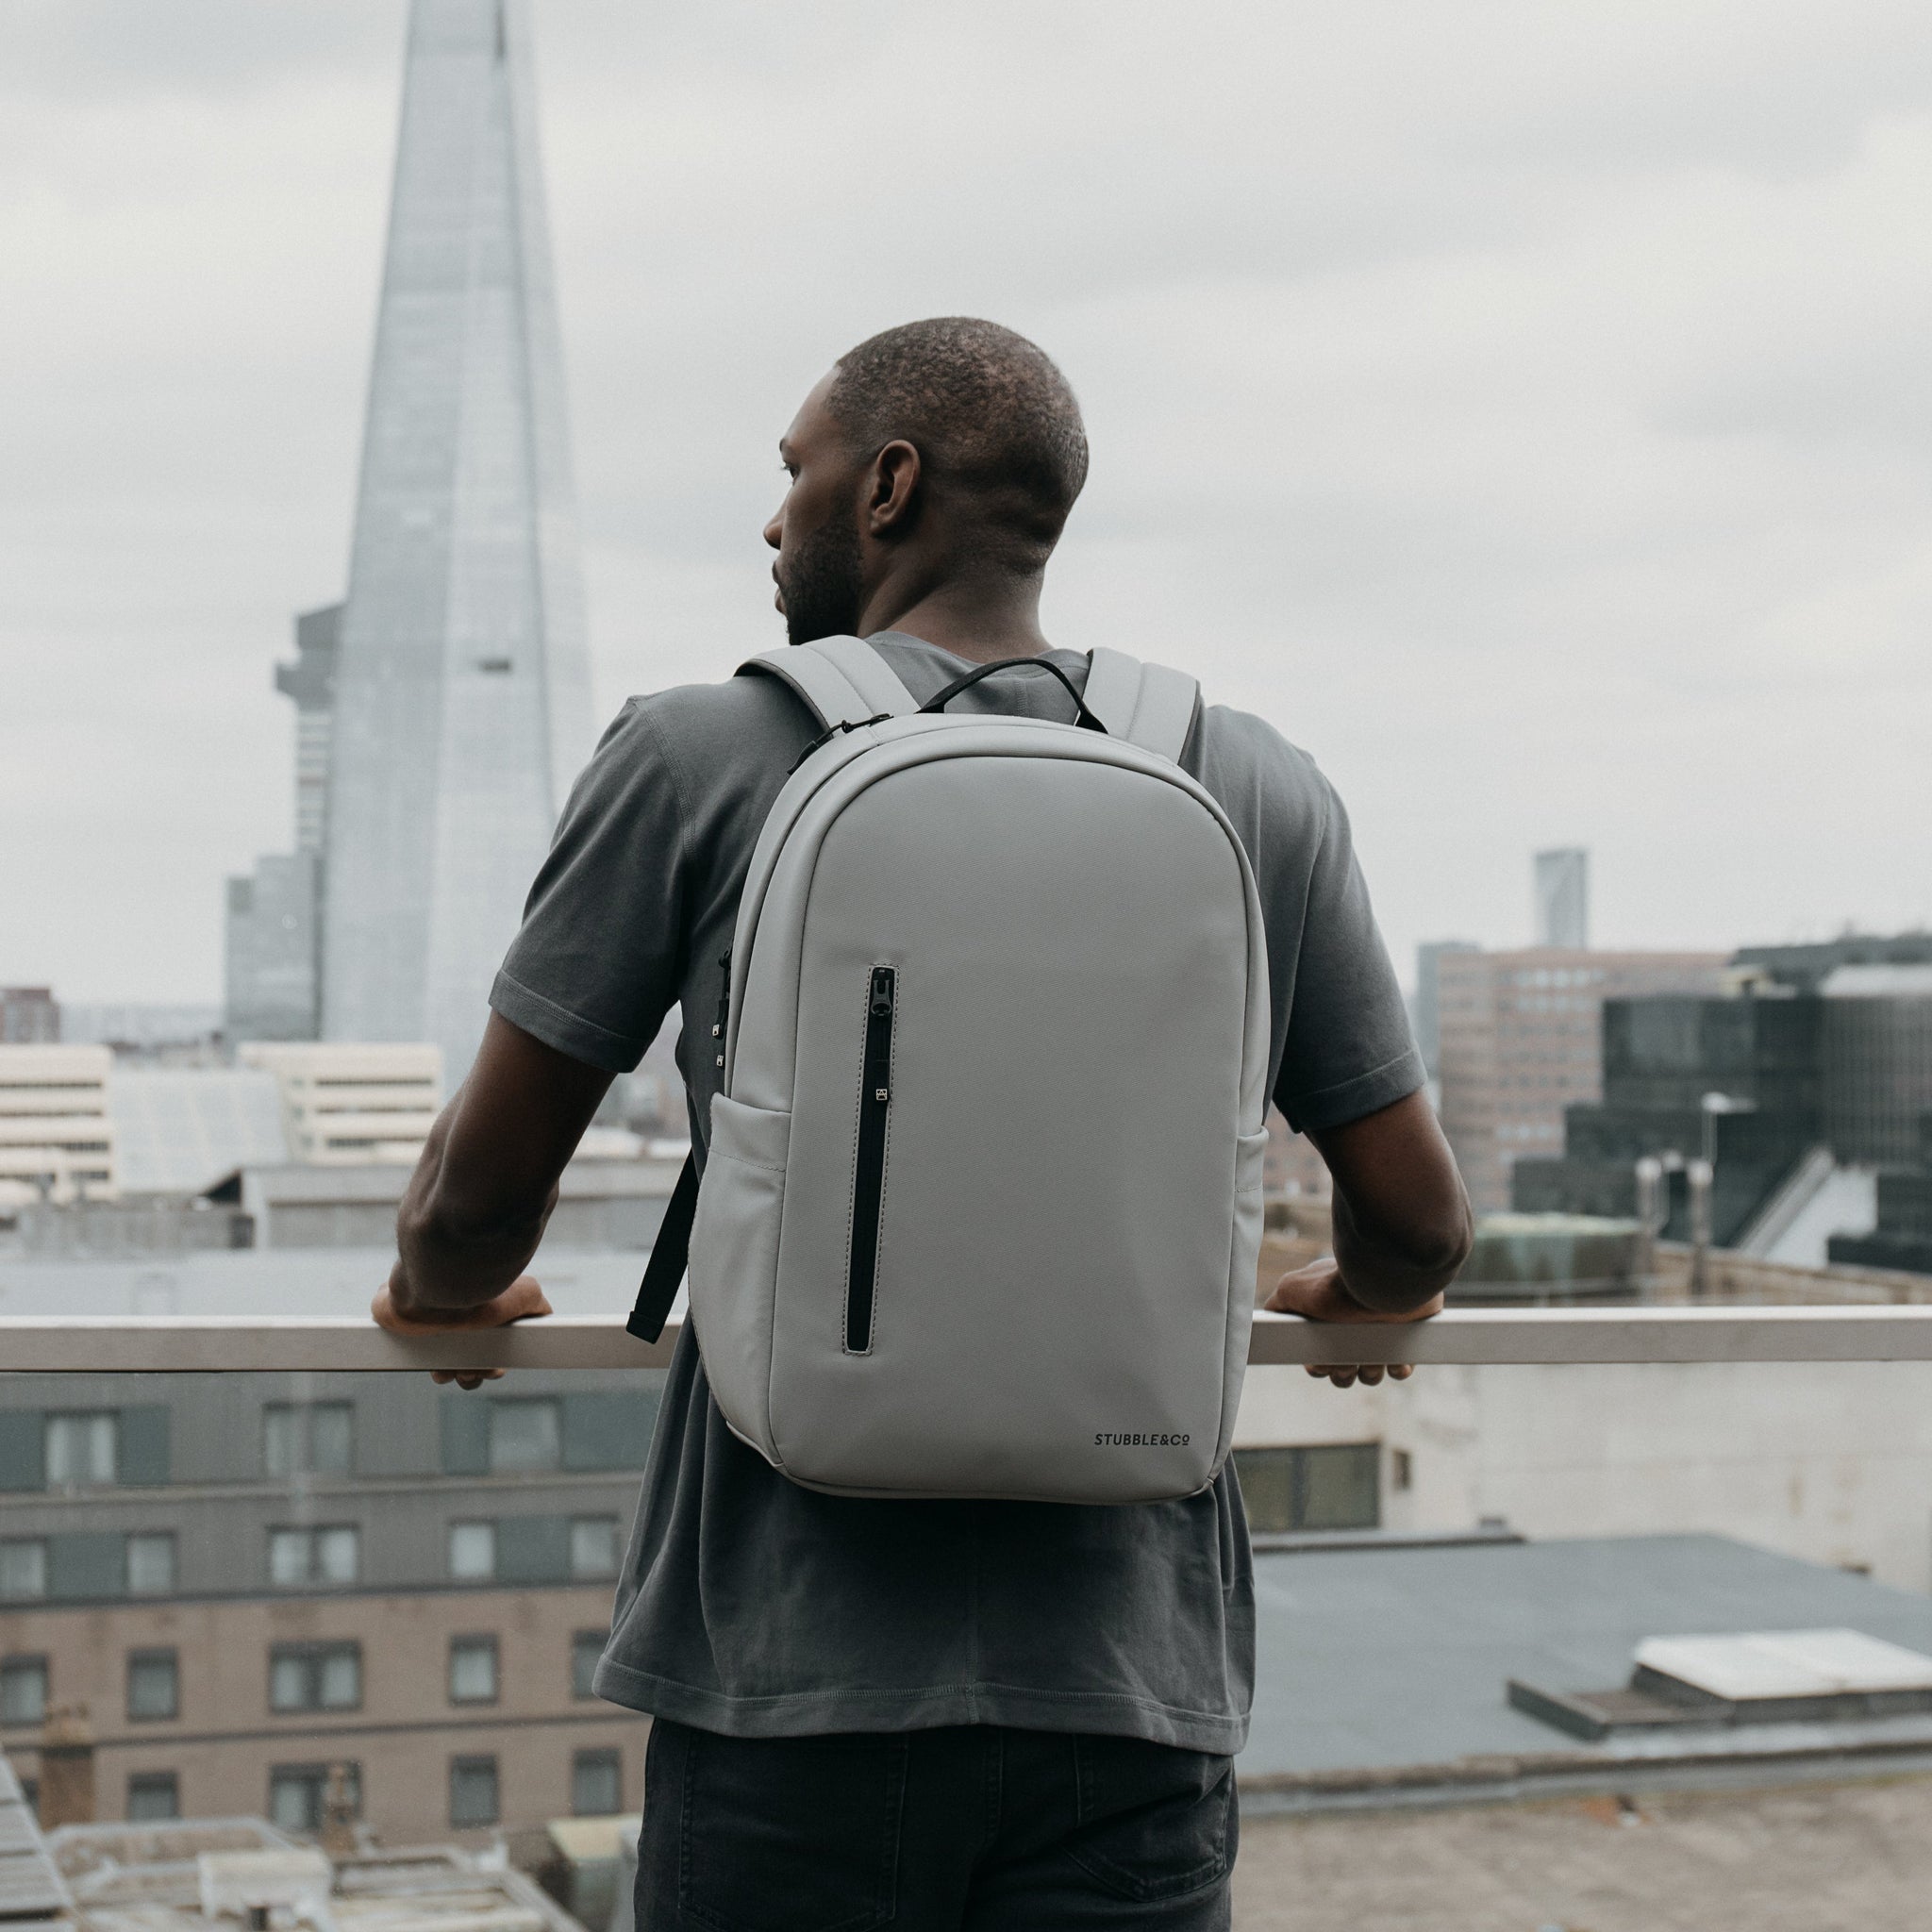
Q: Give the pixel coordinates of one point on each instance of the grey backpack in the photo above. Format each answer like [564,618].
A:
[983,1199]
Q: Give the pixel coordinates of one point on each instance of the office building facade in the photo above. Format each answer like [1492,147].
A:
[57,1126]
[1661,1055]
[1520,1041]
[243,1584]
[346,1104]
[1878,1061]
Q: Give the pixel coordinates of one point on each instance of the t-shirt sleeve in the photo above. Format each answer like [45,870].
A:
[599,958]
[1349,1050]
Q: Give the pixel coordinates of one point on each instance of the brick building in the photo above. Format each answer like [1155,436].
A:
[238,1583]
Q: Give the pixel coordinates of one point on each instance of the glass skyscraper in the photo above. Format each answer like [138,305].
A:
[462,706]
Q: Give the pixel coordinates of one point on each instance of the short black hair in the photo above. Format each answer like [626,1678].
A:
[989,414]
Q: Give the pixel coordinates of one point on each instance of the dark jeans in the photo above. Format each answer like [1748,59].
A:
[962,1830]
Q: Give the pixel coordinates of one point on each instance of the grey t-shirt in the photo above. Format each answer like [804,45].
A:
[754,1607]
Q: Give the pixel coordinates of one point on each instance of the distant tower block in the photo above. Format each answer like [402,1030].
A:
[462,706]
[310,680]
[1563,898]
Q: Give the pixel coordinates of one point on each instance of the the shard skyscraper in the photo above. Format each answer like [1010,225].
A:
[462,706]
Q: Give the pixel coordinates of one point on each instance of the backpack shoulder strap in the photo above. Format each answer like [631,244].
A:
[1148,705]
[843,680]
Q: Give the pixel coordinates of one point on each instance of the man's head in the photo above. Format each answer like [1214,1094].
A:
[938,452]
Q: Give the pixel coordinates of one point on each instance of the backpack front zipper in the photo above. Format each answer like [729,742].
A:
[869,1175]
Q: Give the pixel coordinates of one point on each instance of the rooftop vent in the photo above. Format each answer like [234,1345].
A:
[1781,1676]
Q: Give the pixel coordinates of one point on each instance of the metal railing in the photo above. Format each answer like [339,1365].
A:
[1469,1336]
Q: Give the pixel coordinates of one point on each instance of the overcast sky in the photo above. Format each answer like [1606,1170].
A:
[1524,407]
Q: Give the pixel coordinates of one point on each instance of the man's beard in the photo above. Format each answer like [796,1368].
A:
[821,584]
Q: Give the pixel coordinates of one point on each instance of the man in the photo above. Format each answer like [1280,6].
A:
[919,1714]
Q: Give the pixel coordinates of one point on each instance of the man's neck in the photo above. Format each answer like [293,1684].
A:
[979,622]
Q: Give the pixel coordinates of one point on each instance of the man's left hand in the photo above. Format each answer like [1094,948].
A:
[523,1300]
[1318,1293]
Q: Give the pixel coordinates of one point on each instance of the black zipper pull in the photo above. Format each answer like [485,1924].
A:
[719,1024]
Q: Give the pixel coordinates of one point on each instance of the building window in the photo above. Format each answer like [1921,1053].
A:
[153,1684]
[331,1437]
[24,1567]
[597,1784]
[473,1670]
[473,1794]
[151,1564]
[23,1690]
[585,1649]
[473,1552]
[315,1676]
[1402,1469]
[1328,1485]
[304,1557]
[298,1794]
[82,1449]
[593,1547]
[526,1436]
[307,1438]
[153,1797]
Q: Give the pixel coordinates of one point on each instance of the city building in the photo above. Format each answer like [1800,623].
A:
[1562,899]
[269,949]
[248,1581]
[56,1130]
[1426,1009]
[1826,1462]
[1878,1061]
[1803,966]
[273,941]
[352,1103]
[601,1205]
[310,682]
[183,1036]
[1819,1094]
[29,1016]
[1661,1055]
[462,705]
[1901,1236]
[1520,1041]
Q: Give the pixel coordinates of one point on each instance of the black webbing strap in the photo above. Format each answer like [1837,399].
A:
[669,1253]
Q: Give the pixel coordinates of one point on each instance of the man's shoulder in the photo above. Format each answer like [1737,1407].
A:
[1244,757]
[733,710]
[709,735]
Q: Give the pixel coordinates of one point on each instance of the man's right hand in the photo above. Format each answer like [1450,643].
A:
[1318,1293]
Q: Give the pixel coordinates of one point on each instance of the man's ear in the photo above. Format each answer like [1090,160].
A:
[893,491]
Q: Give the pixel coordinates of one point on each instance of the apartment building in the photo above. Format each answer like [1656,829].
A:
[347,1103]
[239,1586]
[57,1129]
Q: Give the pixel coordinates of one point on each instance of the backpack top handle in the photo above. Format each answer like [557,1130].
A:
[1083,717]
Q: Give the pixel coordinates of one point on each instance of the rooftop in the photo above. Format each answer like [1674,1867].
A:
[193,1875]
[1383,1672]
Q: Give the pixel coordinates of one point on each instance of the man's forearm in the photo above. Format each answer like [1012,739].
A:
[1396,1279]
[451,1254]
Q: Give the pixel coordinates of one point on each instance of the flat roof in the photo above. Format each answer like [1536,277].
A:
[1378,1660]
